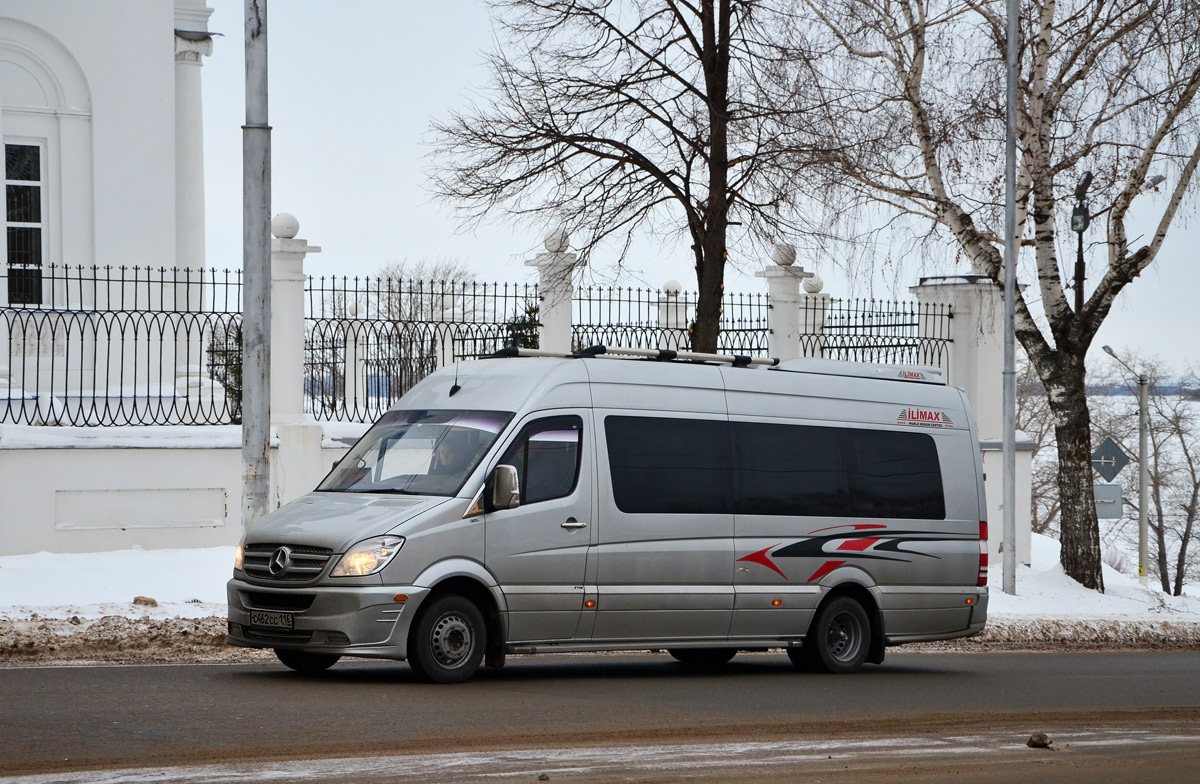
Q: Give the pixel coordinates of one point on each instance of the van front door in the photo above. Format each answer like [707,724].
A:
[538,550]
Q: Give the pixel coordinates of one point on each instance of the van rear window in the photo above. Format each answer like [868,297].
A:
[697,466]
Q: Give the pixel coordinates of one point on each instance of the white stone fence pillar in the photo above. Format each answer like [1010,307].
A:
[975,363]
[556,273]
[297,467]
[672,317]
[796,320]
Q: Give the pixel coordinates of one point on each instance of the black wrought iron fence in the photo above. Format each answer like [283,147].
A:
[857,330]
[126,345]
[371,339]
[121,346]
[646,318]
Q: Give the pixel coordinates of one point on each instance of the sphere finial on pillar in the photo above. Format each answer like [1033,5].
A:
[784,255]
[556,240]
[672,288]
[284,226]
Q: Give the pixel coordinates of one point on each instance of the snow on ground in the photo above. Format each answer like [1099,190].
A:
[183,583]
[191,584]
[1045,592]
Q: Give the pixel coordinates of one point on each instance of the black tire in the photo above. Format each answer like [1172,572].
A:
[840,637]
[448,641]
[702,658]
[305,662]
[801,658]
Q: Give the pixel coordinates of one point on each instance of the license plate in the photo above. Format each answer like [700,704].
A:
[271,620]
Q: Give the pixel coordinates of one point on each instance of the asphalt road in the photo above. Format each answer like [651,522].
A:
[749,721]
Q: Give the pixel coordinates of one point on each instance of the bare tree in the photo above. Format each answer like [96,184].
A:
[914,102]
[1173,466]
[617,117]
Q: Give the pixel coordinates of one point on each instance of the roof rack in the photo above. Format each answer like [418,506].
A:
[658,354]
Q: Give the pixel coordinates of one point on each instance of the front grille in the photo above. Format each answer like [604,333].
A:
[280,601]
[304,563]
[257,634]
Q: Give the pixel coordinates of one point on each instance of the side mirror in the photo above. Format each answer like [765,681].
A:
[506,488]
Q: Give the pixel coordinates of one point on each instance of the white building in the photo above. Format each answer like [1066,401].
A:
[100,112]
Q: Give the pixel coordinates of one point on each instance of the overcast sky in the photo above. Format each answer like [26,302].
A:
[354,87]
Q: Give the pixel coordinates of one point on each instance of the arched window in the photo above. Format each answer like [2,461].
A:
[45,122]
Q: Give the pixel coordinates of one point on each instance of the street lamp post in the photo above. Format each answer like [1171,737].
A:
[1079,223]
[1143,463]
[1081,219]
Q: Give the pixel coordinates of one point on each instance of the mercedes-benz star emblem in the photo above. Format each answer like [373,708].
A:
[281,559]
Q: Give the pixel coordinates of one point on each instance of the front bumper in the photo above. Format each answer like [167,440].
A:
[345,621]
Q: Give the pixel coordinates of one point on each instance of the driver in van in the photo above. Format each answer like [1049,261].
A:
[453,453]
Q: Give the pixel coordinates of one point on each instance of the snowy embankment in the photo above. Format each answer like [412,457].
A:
[167,604]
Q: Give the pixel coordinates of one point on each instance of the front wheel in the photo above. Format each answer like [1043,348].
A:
[307,663]
[448,641]
[839,639]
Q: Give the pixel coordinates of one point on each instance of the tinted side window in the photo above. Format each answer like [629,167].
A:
[895,475]
[546,456]
[669,465]
[790,470]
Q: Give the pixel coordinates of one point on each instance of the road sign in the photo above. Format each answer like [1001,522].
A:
[1108,501]
[1109,459]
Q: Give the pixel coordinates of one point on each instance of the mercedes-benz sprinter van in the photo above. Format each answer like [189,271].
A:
[700,504]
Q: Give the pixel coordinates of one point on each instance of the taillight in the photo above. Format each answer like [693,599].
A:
[983,553]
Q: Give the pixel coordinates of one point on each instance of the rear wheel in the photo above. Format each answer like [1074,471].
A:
[305,662]
[448,641]
[839,639]
[702,658]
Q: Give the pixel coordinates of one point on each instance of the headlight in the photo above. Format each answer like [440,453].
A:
[368,556]
[237,559]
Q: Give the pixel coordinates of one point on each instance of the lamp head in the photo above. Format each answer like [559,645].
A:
[1084,183]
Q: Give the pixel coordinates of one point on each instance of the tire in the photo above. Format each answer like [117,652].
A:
[305,662]
[839,639]
[702,658]
[448,641]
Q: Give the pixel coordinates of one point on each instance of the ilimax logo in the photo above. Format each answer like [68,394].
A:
[923,418]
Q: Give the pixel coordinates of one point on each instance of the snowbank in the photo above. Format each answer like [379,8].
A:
[83,606]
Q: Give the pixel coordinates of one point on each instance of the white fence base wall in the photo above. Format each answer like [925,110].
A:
[993,469]
[78,490]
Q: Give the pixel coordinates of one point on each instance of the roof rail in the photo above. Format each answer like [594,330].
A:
[658,354]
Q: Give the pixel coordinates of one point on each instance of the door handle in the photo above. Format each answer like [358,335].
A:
[573,525]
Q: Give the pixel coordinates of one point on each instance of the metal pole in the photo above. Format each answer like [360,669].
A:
[256,269]
[1009,503]
[1079,275]
[1143,470]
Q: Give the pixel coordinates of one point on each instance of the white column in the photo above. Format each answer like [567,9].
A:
[190,47]
[783,287]
[556,270]
[975,363]
[355,371]
[297,466]
[192,44]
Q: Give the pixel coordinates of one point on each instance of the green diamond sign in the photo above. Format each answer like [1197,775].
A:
[1109,459]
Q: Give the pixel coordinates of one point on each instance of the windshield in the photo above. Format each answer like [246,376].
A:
[417,453]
